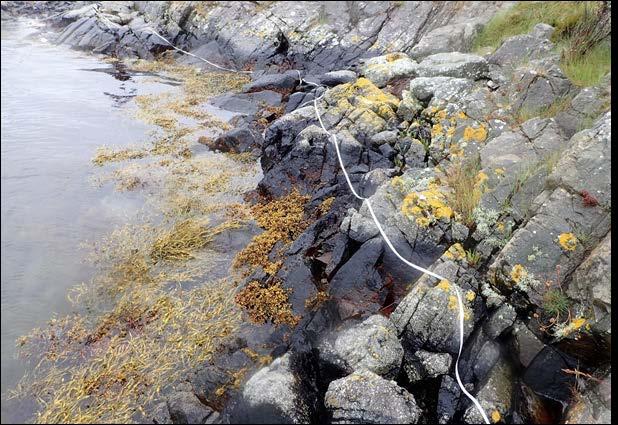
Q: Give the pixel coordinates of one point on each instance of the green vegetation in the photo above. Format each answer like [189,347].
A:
[555,302]
[582,34]
[588,69]
[467,182]
[473,257]
[561,104]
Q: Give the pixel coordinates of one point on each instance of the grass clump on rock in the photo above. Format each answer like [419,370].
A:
[555,303]
[582,34]
[467,183]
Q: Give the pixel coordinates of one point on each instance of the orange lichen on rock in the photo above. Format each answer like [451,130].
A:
[427,206]
[567,241]
[518,272]
[455,252]
[475,134]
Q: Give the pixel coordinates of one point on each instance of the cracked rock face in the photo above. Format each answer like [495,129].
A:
[370,345]
[364,397]
[382,69]
[427,317]
[454,64]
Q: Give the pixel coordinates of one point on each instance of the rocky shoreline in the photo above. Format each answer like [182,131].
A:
[469,175]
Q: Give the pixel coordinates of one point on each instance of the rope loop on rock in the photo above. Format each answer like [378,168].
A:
[394,250]
[369,207]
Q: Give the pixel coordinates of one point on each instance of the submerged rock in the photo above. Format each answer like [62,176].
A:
[185,408]
[365,397]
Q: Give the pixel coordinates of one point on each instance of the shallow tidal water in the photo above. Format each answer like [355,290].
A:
[58,106]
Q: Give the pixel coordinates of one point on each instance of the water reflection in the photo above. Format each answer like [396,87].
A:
[55,113]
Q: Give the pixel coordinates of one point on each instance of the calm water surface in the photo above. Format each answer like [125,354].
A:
[55,112]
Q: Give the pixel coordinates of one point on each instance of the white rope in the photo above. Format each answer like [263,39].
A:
[373,215]
[198,57]
[392,248]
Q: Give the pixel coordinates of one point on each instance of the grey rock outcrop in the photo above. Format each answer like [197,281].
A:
[365,397]
[370,345]
[453,64]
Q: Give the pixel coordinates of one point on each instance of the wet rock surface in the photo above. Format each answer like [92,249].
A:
[375,340]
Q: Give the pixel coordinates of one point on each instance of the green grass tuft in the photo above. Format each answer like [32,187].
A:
[588,70]
[581,36]
[555,302]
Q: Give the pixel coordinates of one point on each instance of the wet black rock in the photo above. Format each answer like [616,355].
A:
[286,81]
[238,140]
[545,375]
[185,408]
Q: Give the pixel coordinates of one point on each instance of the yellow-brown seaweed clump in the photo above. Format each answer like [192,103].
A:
[283,220]
[267,303]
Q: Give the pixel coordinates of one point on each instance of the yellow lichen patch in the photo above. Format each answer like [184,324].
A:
[481,179]
[567,241]
[461,115]
[495,416]
[314,302]
[453,304]
[455,252]
[267,304]
[437,130]
[397,182]
[392,57]
[450,132]
[456,151]
[423,221]
[470,296]
[500,226]
[518,272]
[443,212]
[283,220]
[427,206]
[363,94]
[444,285]
[475,134]
[441,114]
[499,172]
[575,325]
